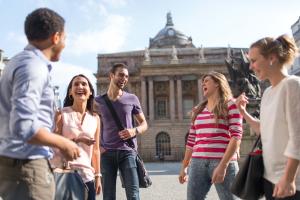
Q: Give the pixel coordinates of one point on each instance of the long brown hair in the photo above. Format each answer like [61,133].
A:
[225,94]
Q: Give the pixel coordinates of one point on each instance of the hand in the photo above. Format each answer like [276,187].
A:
[238,153]
[183,177]
[241,103]
[219,174]
[127,133]
[85,139]
[69,149]
[284,188]
[102,150]
[98,186]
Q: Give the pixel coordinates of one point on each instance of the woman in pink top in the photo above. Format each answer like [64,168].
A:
[79,123]
[213,141]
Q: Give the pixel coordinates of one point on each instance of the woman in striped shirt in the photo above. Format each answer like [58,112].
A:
[213,141]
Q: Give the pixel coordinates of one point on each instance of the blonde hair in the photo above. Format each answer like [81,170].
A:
[284,47]
[225,94]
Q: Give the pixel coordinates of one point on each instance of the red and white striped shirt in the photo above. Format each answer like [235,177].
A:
[209,139]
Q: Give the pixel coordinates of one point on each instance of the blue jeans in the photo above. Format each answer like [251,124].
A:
[92,190]
[200,175]
[125,161]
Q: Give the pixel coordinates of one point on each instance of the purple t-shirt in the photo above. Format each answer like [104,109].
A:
[126,106]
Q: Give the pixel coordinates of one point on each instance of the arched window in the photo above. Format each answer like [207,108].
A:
[163,145]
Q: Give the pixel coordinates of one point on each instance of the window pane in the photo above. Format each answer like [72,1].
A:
[163,146]
[187,106]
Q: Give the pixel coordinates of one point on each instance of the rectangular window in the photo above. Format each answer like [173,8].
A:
[161,108]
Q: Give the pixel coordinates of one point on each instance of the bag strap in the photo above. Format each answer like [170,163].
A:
[113,112]
[116,118]
[257,143]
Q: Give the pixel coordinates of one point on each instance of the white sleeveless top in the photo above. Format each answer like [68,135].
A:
[73,128]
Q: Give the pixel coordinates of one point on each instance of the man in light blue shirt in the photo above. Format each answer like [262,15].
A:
[27,114]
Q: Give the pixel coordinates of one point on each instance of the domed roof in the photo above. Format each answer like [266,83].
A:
[169,36]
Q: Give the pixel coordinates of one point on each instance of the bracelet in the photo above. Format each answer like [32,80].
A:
[98,175]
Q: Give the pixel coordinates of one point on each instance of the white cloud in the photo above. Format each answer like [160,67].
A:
[62,73]
[108,39]
[17,38]
[91,8]
[115,3]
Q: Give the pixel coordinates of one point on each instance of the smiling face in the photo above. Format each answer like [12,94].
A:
[209,86]
[80,89]
[120,77]
[260,65]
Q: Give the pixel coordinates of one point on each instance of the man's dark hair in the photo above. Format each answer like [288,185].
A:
[116,66]
[43,23]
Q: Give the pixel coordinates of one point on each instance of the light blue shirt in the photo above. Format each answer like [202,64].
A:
[26,104]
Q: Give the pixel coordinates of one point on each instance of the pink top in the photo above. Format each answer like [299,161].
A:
[210,140]
[73,128]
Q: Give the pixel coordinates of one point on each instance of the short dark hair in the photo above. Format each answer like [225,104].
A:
[116,66]
[43,23]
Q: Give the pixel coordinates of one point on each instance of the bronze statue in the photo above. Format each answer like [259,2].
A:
[242,78]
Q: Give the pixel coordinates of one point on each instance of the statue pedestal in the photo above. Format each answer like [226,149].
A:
[174,61]
[147,62]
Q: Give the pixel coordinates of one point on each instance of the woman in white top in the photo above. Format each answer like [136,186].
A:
[279,116]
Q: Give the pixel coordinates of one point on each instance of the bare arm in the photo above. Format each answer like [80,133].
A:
[66,146]
[241,103]
[140,129]
[96,157]
[143,126]
[185,163]
[43,137]
[220,171]
[286,185]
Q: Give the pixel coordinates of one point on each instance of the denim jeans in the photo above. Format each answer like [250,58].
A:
[92,190]
[125,161]
[200,175]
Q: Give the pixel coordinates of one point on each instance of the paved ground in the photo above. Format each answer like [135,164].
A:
[165,184]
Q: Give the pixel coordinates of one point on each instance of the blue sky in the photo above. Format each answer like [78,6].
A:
[107,26]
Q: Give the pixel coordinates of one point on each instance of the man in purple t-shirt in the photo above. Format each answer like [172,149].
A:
[116,154]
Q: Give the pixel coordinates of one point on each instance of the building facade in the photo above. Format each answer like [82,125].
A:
[2,61]
[166,77]
[295,69]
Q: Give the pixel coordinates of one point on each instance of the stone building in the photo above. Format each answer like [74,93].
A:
[2,61]
[295,69]
[166,76]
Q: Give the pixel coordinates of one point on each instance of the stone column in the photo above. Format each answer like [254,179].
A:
[179,99]
[172,98]
[144,96]
[151,99]
[200,95]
